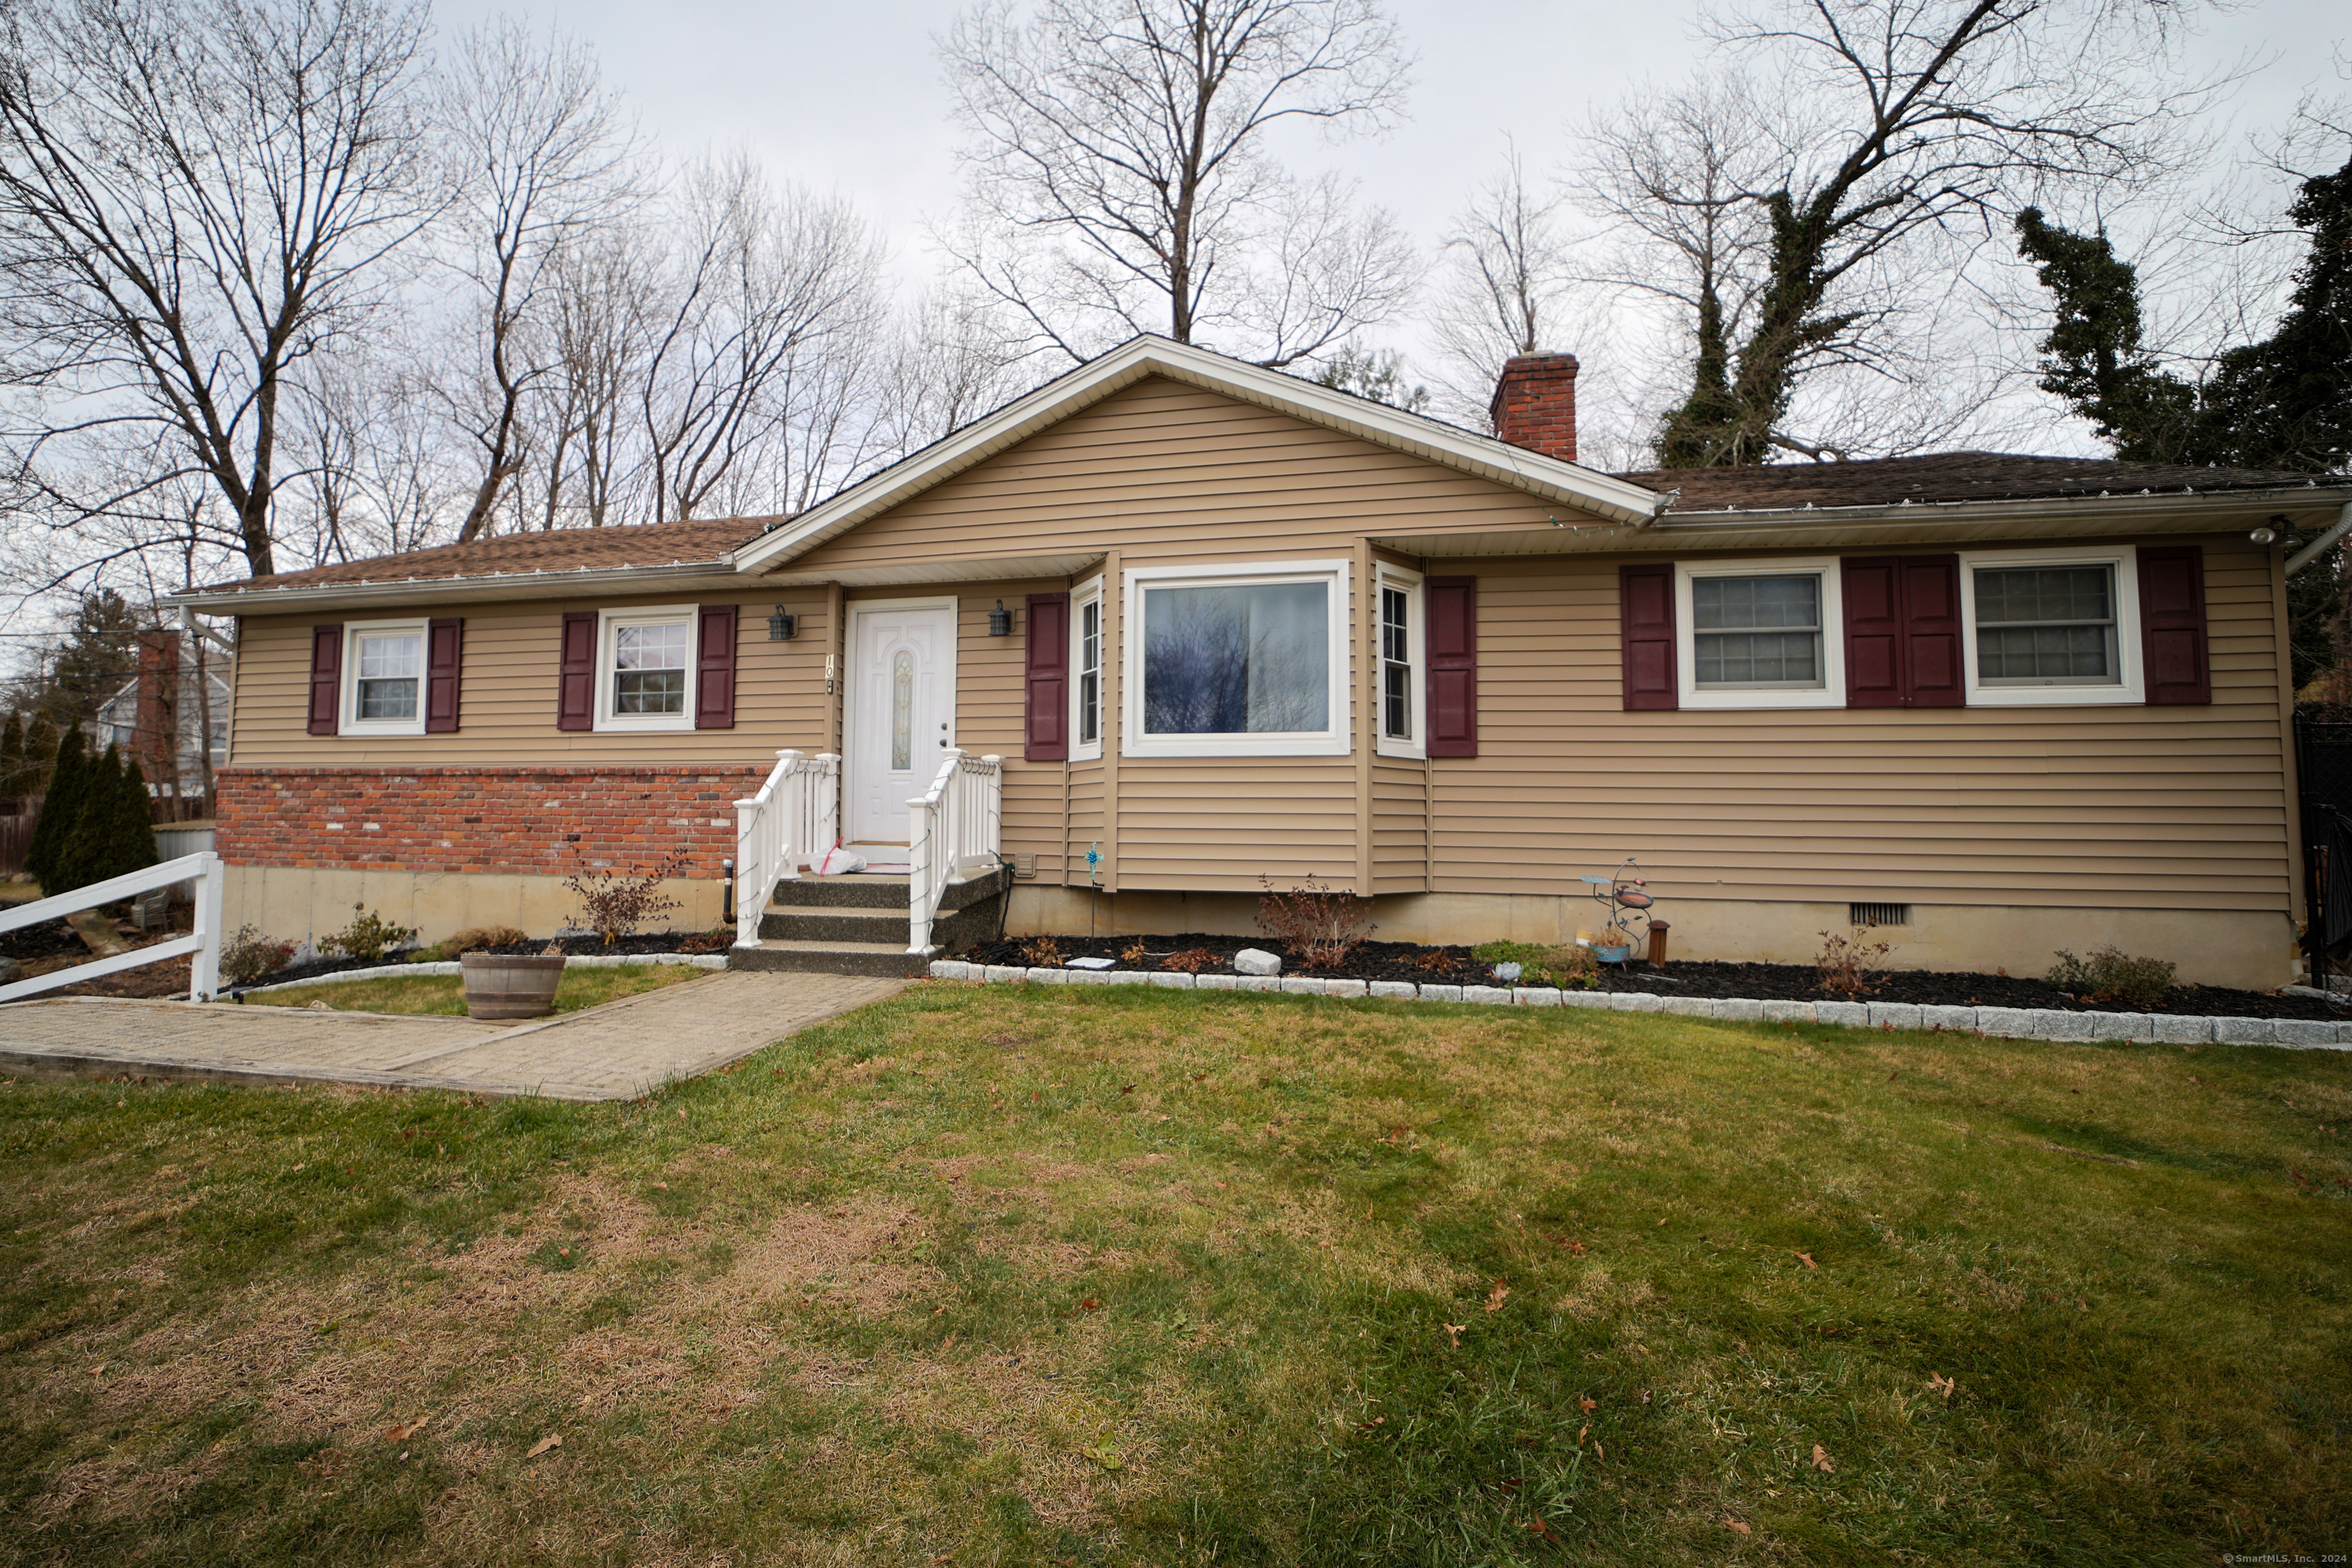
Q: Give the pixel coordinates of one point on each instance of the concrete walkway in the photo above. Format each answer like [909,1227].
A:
[616,1051]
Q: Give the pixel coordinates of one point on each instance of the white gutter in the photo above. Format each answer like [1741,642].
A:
[2317,547]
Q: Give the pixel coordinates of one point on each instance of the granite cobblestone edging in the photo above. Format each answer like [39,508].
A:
[451,966]
[2002,1023]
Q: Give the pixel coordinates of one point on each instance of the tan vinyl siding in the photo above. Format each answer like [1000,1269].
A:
[2104,806]
[1165,473]
[508,693]
[1400,825]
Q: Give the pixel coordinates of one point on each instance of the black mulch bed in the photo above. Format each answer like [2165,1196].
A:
[49,939]
[1761,982]
[663,943]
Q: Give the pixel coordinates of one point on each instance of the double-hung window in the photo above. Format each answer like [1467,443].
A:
[1237,661]
[384,678]
[1399,600]
[1086,665]
[644,677]
[1759,633]
[2044,627]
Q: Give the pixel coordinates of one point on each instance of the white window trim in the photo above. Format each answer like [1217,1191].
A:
[348,721]
[1334,741]
[1415,744]
[1831,693]
[2131,689]
[607,624]
[1084,751]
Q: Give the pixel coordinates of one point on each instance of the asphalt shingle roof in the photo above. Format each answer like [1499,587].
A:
[1943,476]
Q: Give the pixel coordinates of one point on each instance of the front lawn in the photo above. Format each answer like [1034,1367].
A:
[445,994]
[1013,1276]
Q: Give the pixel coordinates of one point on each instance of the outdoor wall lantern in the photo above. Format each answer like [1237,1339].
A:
[783,624]
[1000,621]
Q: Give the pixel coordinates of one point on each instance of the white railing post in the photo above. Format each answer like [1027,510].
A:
[955,825]
[203,965]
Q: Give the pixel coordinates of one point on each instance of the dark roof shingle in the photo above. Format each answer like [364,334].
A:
[1943,476]
[556,550]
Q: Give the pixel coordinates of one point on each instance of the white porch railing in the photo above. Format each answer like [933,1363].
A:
[793,819]
[956,825]
[202,869]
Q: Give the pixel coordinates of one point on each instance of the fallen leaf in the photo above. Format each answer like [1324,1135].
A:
[98,1369]
[1580,1431]
[403,1434]
[1734,1524]
[1941,1385]
[1090,1305]
[1540,1526]
[1645,1397]
[661,1187]
[1453,1331]
[543,1445]
[1498,1296]
[1106,1456]
[1821,1459]
[1662,1224]
[937,1310]
[1598,1451]
[1587,1402]
[948,1343]
[298,1167]
[1128,1089]
[1807,1258]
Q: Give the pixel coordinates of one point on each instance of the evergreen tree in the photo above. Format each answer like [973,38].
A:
[114,832]
[40,752]
[13,771]
[61,809]
[2095,357]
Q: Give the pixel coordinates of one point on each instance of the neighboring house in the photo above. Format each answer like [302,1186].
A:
[1258,630]
[161,716]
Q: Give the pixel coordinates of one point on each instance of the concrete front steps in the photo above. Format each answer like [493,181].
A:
[857,925]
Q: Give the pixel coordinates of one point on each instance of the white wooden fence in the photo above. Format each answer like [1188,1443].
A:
[956,825]
[793,819]
[202,869]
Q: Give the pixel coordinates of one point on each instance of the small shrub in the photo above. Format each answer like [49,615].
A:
[1134,955]
[481,938]
[718,938]
[1192,960]
[1437,961]
[1849,963]
[1571,968]
[613,905]
[249,955]
[2110,975]
[368,937]
[1312,921]
[1042,952]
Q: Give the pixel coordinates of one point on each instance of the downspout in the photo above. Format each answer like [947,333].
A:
[2319,546]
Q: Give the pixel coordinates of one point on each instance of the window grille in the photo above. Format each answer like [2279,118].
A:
[1878,914]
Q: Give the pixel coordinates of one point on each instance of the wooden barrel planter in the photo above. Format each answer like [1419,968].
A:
[510,985]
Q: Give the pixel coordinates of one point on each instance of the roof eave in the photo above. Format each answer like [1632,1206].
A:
[232,600]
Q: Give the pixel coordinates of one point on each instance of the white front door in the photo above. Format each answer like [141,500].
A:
[901,711]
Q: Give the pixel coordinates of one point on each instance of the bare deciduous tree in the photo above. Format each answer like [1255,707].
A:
[541,158]
[1807,223]
[195,198]
[1120,182]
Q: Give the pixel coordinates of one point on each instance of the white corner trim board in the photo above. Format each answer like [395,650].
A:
[2002,1023]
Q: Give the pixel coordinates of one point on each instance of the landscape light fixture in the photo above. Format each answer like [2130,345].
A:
[1000,621]
[783,624]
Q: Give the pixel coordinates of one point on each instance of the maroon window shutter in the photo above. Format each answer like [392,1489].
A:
[326,679]
[1453,677]
[1046,726]
[714,668]
[1645,601]
[575,703]
[1901,631]
[445,655]
[1872,587]
[2172,624]
[1931,632]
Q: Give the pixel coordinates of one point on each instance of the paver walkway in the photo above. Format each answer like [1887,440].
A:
[614,1052]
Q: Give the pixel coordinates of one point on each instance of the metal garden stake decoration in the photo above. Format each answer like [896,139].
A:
[1626,898]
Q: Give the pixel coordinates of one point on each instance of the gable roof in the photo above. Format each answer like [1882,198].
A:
[1563,484]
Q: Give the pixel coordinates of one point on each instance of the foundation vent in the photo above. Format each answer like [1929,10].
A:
[1879,914]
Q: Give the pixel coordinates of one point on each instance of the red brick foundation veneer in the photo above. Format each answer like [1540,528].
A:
[501,821]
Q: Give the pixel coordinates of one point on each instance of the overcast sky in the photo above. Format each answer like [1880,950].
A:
[849,96]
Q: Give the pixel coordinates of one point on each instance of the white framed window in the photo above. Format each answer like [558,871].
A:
[1397,603]
[1227,661]
[1759,633]
[384,678]
[1086,646]
[2043,626]
[645,668]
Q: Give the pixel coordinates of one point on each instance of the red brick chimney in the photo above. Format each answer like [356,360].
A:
[1535,403]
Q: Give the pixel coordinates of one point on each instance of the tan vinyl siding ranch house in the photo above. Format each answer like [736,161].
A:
[1222,626]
